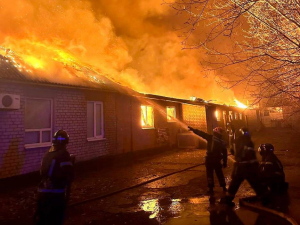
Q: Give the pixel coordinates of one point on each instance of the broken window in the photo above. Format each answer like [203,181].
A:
[171,113]
[147,116]
[95,128]
[38,122]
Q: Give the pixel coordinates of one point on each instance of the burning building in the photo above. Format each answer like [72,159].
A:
[102,118]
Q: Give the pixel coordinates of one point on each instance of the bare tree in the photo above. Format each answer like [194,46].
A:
[265,36]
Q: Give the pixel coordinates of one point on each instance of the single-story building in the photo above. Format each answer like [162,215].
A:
[102,118]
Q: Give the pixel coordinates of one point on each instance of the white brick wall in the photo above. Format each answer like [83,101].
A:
[69,113]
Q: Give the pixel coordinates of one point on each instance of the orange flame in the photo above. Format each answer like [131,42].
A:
[62,41]
[240,105]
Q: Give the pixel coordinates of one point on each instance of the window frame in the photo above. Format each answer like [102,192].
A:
[236,116]
[145,126]
[241,116]
[224,114]
[95,136]
[173,119]
[40,143]
[230,116]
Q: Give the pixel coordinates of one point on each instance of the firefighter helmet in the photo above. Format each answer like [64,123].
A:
[61,137]
[265,149]
[218,130]
[244,131]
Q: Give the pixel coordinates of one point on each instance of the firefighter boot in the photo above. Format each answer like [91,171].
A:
[210,191]
[228,201]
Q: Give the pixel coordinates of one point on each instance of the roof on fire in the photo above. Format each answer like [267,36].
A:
[9,72]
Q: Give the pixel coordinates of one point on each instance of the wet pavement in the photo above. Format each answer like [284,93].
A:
[177,199]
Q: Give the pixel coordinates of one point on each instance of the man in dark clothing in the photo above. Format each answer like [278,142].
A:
[216,151]
[271,171]
[57,176]
[245,167]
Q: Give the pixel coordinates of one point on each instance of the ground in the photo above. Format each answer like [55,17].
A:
[177,199]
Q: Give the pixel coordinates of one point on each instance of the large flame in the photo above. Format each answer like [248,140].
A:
[57,39]
[240,105]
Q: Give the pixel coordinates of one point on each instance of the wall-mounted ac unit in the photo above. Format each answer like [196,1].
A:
[8,101]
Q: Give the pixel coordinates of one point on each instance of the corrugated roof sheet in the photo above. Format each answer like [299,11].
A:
[9,72]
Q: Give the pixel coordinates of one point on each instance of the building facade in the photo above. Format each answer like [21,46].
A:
[100,121]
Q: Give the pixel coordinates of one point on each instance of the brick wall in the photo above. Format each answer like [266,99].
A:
[194,116]
[69,113]
[12,155]
[122,125]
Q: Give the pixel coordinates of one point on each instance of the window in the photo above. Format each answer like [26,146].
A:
[224,114]
[218,116]
[171,114]
[95,127]
[38,122]
[230,116]
[236,116]
[147,116]
[241,116]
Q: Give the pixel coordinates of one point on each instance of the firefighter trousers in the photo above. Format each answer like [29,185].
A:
[50,209]
[249,172]
[210,168]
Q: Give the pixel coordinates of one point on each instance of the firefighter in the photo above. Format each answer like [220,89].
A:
[216,151]
[271,170]
[245,167]
[57,176]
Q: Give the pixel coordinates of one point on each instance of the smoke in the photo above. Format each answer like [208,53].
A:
[133,42]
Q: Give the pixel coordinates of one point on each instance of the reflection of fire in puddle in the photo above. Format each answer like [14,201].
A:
[154,206]
[175,206]
[198,200]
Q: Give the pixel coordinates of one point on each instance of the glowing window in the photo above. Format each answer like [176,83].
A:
[147,116]
[236,116]
[230,116]
[224,114]
[218,116]
[95,120]
[241,116]
[38,122]
[171,113]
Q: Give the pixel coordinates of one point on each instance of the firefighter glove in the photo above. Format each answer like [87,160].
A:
[192,129]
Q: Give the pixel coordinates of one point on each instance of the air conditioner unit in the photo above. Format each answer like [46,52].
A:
[8,101]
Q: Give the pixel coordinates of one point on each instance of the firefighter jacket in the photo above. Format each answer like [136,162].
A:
[216,147]
[56,171]
[271,169]
[244,150]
